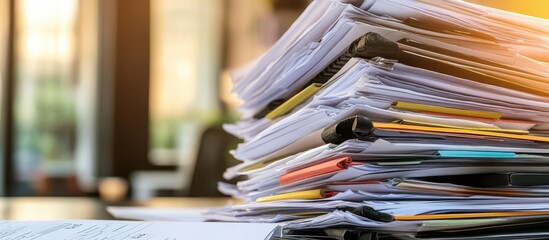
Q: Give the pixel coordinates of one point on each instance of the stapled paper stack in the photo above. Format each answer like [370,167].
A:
[404,118]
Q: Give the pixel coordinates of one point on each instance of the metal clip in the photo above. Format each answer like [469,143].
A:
[383,63]
[394,181]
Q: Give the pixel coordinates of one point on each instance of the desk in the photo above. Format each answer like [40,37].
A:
[58,208]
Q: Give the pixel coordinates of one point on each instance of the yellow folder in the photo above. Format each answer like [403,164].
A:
[446,110]
[308,194]
[397,126]
[291,103]
[418,123]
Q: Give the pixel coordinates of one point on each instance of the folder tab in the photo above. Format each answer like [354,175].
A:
[299,98]
[320,169]
[308,194]
[439,109]
[396,126]
[418,123]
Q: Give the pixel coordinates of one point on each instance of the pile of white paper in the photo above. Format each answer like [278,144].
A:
[395,115]
[123,230]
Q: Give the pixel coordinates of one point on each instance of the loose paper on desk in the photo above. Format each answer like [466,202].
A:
[118,230]
[158,214]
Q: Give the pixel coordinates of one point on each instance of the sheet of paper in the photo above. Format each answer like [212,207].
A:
[134,230]
[158,214]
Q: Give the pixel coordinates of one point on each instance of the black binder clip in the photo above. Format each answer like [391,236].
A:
[370,213]
[356,127]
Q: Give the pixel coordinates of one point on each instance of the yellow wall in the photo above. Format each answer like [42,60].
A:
[538,8]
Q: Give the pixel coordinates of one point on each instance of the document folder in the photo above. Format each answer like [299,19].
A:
[331,166]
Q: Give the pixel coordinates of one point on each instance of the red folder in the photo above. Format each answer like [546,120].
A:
[331,166]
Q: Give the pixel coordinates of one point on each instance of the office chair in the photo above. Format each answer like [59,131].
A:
[212,159]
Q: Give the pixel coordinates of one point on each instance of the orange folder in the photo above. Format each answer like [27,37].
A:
[396,126]
[332,166]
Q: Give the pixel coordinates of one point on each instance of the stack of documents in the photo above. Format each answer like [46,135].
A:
[412,118]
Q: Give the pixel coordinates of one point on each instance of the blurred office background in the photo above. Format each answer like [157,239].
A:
[125,98]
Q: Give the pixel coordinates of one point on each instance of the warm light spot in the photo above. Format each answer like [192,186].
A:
[46,30]
[537,8]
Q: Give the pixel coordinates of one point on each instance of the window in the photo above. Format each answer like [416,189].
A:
[185,58]
[4,18]
[53,95]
